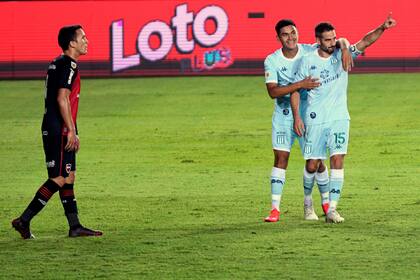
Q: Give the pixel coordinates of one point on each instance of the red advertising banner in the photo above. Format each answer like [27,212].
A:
[167,37]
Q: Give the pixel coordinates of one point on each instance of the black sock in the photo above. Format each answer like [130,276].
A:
[44,193]
[70,206]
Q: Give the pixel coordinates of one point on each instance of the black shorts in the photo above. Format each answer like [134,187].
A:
[59,161]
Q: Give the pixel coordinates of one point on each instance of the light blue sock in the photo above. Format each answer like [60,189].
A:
[322,181]
[308,185]
[278,179]
[336,186]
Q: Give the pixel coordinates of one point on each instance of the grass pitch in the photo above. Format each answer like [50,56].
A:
[175,171]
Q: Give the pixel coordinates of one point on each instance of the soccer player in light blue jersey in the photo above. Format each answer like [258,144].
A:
[280,69]
[326,120]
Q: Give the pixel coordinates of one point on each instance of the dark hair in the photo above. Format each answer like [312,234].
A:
[282,23]
[323,27]
[67,34]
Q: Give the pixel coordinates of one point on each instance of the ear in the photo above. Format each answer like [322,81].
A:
[71,44]
[318,41]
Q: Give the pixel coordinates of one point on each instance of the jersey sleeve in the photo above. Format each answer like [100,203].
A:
[66,76]
[270,71]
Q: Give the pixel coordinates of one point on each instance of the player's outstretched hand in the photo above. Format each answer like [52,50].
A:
[389,22]
[309,83]
[299,127]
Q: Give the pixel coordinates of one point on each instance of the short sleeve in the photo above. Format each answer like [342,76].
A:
[270,71]
[66,76]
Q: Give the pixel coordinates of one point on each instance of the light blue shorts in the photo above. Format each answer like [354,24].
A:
[283,135]
[332,136]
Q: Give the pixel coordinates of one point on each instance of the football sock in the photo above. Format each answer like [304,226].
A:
[44,193]
[70,206]
[278,178]
[322,180]
[308,184]
[336,185]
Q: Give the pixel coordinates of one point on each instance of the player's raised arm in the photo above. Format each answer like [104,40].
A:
[374,35]
[346,57]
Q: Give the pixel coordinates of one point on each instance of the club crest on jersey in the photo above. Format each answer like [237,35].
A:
[285,112]
[68,168]
[325,74]
[73,64]
[312,115]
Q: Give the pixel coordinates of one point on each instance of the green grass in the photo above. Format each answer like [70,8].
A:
[175,172]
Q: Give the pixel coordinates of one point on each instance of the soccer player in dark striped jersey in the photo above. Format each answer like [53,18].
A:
[59,134]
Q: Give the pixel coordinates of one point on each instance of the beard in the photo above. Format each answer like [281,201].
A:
[328,50]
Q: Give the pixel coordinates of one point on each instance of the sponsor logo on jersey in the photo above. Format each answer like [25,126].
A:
[50,164]
[312,115]
[283,69]
[68,168]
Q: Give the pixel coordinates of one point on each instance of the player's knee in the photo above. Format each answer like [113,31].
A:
[60,181]
[71,178]
[312,166]
[337,162]
[321,167]
[281,159]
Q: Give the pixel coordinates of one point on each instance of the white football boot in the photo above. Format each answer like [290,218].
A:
[334,217]
[309,213]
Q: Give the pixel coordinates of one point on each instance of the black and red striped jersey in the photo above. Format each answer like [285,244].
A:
[62,73]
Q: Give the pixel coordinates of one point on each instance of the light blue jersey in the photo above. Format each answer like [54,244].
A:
[328,102]
[282,70]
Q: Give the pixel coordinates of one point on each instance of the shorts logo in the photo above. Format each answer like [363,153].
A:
[45,133]
[285,112]
[308,149]
[50,164]
[68,168]
[281,138]
[267,74]
[312,115]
